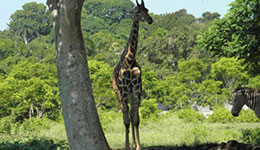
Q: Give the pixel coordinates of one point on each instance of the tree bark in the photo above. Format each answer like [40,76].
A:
[25,37]
[31,111]
[82,124]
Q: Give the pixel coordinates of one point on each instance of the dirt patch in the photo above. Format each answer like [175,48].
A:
[230,145]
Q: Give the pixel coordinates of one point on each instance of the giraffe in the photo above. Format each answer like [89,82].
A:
[127,82]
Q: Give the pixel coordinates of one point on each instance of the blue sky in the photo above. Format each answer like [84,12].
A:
[195,7]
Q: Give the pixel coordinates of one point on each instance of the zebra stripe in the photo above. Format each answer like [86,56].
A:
[251,95]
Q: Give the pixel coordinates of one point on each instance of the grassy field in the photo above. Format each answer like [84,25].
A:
[168,130]
[171,131]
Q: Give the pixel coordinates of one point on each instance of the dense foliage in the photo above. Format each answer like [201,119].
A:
[237,34]
[190,115]
[223,115]
[33,20]
[175,52]
[31,143]
[176,71]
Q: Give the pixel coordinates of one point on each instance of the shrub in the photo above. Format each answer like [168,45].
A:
[149,109]
[32,143]
[35,124]
[247,116]
[190,115]
[221,114]
[7,124]
[251,136]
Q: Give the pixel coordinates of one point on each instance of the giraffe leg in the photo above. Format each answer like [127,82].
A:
[122,98]
[133,127]
[138,137]
[136,118]
[126,122]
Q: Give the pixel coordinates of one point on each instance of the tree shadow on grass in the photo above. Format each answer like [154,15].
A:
[49,144]
[230,145]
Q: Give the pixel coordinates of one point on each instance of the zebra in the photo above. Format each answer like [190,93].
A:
[246,96]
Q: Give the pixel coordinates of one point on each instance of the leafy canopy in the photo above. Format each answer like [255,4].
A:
[237,34]
[31,21]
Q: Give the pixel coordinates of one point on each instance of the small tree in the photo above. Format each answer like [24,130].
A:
[210,91]
[230,71]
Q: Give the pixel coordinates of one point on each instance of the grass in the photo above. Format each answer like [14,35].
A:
[48,129]
[167,130]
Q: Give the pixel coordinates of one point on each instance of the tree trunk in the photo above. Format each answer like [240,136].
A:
[31,111]
[82,124]
[39,111]
[25,37]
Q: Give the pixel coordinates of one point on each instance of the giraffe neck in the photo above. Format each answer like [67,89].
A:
[133,38]
[128,55]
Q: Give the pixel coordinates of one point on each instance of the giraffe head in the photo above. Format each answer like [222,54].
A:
[142,13]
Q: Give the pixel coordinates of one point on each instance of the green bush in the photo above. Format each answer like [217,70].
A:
[7,124]
[149,109]
[35,124]
[32,143]
[190,115]
[247,116]
[221,114]
[251,136]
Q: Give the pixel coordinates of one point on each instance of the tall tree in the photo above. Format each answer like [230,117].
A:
[237,34]
[82,124]
[208,16]
[31,21]
[104,13]
[111,11]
